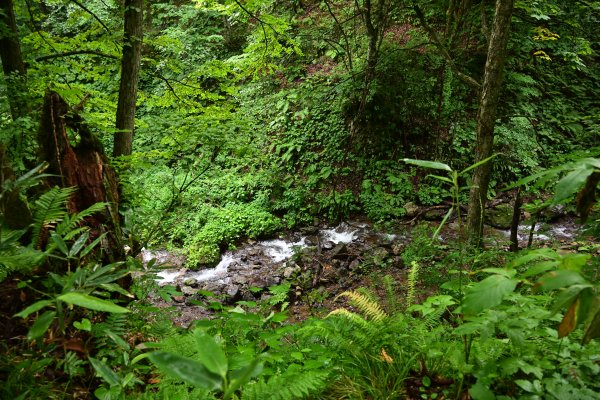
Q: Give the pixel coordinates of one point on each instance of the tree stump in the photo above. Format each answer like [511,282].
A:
[77,157]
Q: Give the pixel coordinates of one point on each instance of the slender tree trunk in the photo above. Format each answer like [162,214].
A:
[486,117]
[12,60]
[130,68]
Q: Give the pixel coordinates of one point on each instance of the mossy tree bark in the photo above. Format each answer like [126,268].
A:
[130,69]
[486,117]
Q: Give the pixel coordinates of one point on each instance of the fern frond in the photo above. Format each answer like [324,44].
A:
[413,276]
[288,386]
[368,307]
[355,318]
[71,222]
[50,208]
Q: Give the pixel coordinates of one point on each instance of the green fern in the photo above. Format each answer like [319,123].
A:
[413,276]
[288,386]
[50,209]
[67,227]
[367,306]
[14,257]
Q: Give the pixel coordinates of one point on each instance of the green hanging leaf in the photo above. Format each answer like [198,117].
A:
[41,325]
[105,372]
[593,329]
[428,164]
[488,293]
[91,302]
[78,244]
[38,305]
[186,369]
[571,183]
[211,354]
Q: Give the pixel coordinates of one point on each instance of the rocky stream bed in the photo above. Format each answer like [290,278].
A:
[333,257]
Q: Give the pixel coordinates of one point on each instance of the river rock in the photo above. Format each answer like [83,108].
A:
[500,217]
[328,245]
[355,264]
[232,291]
[398,248]
[311,240]
[309,230]
[411,209]
[379,255]
[340,251]
[436,214]
[178,299]
[190,282]
[188,290]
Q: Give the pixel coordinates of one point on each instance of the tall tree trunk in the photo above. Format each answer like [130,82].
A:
[130,69]
[486,117]
[12,60]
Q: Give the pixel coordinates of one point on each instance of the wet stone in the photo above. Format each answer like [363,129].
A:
[340,251]
[355,264]
[190,282]
[188,290]
[328,245]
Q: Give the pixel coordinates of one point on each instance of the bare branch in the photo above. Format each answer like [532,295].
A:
[444,52]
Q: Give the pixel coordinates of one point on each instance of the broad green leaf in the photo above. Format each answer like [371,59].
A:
[41,325]
[211,354]
[574,262]
[186,369]
[242,376]
[428,164]
[38,305]
[534,255]
[559,279]
[481,391]
[105,372]
[488,293]
[509,273]
[91,302]
[540,268]
[571,183]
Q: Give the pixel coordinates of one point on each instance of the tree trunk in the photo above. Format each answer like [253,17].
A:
[12,60]
[130,68]
[486,117]
[84,166]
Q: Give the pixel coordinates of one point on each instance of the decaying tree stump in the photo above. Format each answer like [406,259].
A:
[77,157]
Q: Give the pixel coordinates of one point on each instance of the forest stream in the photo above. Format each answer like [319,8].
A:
[334,257]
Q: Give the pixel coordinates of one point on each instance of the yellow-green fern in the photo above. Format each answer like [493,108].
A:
[369,308]
[413,276]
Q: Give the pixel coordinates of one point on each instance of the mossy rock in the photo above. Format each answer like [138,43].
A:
[500,217]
